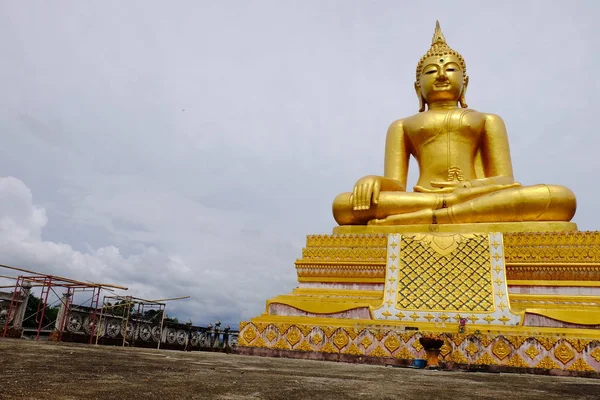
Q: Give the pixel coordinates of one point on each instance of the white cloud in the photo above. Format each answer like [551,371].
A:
[210,272]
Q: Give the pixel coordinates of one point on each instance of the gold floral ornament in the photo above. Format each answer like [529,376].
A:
[317,338]
[366,342]
[379,352]
[445,349]
[517,361]
[249,334]
[458,357]
[563,353]
[596,354]
[271,335]
[472,348]
[532,352]
[501,349]
[486,359]
[305,346]
[547,363]
[354,350]
[293,336]
[404,354]
[340,339]
[580,365]
[391,343]
[443,244]
[282,345]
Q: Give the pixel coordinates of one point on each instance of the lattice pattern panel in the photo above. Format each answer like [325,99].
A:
[460,281]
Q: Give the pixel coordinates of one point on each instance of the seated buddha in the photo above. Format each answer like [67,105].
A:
[465,169]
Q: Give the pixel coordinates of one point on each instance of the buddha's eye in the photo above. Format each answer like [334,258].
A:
[430,72]
[451,69]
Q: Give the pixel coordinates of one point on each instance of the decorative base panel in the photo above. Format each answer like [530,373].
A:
[513,300]
[539,350]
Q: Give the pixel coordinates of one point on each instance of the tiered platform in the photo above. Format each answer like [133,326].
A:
[522,299]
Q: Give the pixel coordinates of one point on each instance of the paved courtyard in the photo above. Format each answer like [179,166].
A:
[42,370]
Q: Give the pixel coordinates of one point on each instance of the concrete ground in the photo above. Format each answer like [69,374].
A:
[43,370]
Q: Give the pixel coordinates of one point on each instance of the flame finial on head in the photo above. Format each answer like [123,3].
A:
[438,36]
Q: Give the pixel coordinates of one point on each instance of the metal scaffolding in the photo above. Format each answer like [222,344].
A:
[48,284]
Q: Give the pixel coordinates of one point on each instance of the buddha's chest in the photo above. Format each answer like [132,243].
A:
[462,128]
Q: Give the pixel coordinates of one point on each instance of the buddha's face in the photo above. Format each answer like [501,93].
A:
[441,79]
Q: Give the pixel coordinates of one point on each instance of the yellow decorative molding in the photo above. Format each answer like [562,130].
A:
[329,279]
[456,228]
[555,301]
[377,240]
[573,316]
[361,254]
[557,283]
[323,306]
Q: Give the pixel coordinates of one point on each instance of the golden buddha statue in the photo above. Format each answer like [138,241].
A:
[466,173]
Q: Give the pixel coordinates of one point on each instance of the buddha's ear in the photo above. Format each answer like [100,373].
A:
[462,101]
[422,101]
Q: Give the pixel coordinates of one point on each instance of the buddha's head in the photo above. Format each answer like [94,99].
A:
[441,73]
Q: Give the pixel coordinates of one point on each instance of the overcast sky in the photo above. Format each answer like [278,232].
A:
[187,147]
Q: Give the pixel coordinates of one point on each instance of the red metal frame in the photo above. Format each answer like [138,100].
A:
[48,283]
[13,304]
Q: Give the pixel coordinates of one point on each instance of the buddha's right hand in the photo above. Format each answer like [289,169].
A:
[366,190]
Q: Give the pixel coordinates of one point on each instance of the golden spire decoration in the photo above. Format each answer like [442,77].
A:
[438,35]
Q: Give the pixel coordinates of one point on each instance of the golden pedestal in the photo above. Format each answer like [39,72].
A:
[515,299]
